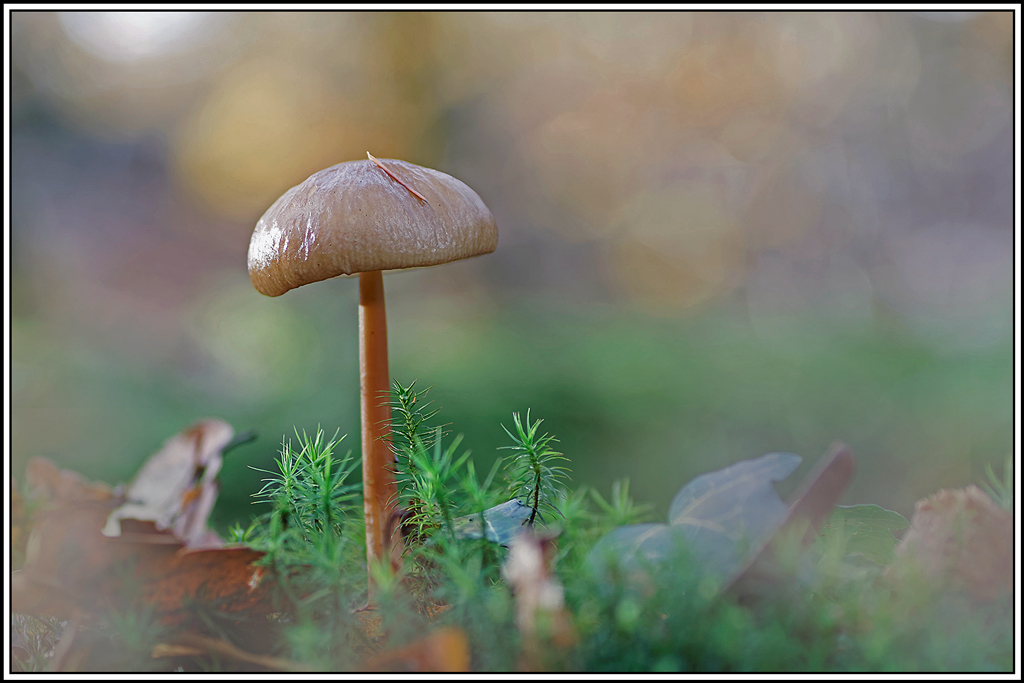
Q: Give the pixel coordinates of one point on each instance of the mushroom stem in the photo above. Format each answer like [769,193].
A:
[379,490]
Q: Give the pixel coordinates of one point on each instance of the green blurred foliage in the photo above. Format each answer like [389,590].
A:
[722,234]
[661,401]
[628,395]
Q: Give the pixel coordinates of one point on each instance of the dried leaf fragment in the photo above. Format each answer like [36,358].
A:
[73,570]
[961,539]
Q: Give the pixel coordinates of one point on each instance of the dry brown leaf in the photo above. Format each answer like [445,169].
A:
[224,579]
[64,553]
[59,487]
[959,539]
[50,488]
[69,566]
[73,570]
[177,487]
[445,650]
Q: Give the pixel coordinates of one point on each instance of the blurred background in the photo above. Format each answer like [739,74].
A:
[721,235]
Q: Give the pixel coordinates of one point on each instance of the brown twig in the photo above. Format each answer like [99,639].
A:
[190,644]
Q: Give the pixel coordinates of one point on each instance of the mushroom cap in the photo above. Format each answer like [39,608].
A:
[356,217]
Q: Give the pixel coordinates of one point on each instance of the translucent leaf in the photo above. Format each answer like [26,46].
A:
[866,532]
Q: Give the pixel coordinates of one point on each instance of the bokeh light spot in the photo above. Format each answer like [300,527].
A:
[133,36]
[267,125]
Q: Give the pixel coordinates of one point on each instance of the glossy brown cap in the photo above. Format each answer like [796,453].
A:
[367,215]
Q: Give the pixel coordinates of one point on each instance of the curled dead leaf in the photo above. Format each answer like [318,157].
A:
[960,539]
[177,487]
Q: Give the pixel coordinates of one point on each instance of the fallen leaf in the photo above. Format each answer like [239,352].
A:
[736,507]
[815,498]
[48,488]
[732,521]
[65,556]
[865,533]
[719,516]
[959,539]
[223,579]
[68,563]
[73,570]
[56,486]
[176,488]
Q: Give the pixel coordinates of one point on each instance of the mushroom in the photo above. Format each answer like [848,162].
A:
[365,217]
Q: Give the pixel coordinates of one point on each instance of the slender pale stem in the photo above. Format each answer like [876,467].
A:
[379,490]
